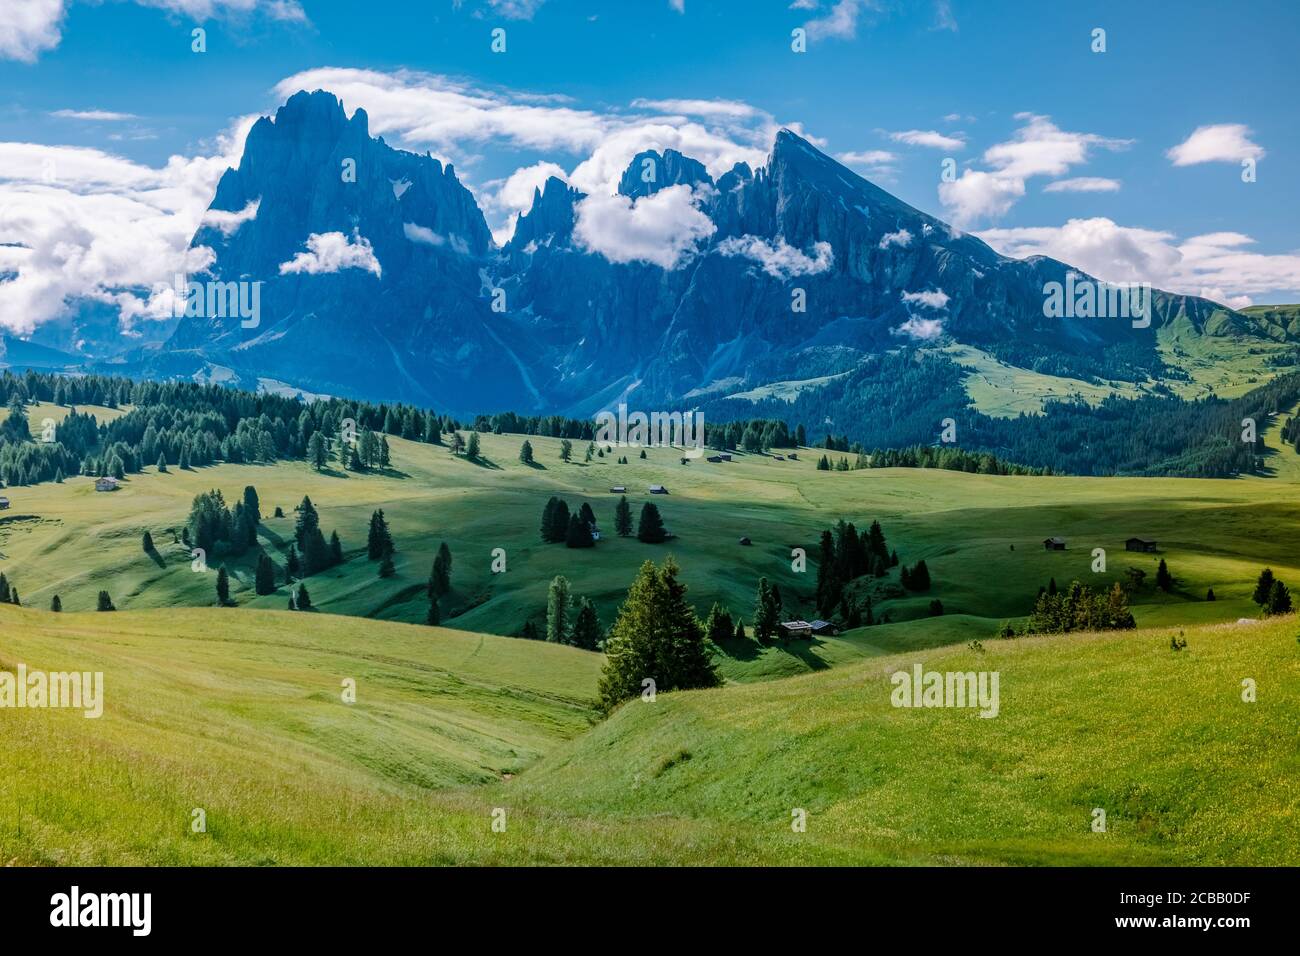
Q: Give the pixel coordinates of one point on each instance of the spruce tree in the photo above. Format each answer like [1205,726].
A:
[223,587]
[578,534]
[379,541]
[336,549]
[658,637]
[292,566]
[1164,580]
[104,602]
[56,604]
[623,517]
[472,450]
[386,567]
[1263,587]
[558,602]
[264,579]
[586,627]
[162,463]
[650,528]
[526,452]
[530,632]
[719,627]
[1279,599]
[767,612]
[308,521]
[303,600]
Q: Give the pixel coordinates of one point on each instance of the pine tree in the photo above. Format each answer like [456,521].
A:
[767,612]
[303,599]
[578,534]
[558,602]
[440,576]
[336,549]
[719,627]
[1209,595]
[656,636]
[1263,587]
[830,587]
[162,463]
[526,452]
[650,528]
[379,541]
[104,602]
[308,521]
[740,630]
[530,632]
[918,579]
[317,453]
[472,448]
[264,579]
[587,515]
[292,566]
[566,450]
[1164,580]
[56,604]
[623,517]
[1279,599]
[586,627]
[386,567]
[223,587]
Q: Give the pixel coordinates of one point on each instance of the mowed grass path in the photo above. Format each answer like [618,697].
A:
[980,535]
[238,713]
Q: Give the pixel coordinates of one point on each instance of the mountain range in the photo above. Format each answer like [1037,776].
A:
[380,279]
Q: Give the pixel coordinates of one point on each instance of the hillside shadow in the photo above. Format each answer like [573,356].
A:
[806,652]
[536,465]
[745,649]
[482,462]
[156,558]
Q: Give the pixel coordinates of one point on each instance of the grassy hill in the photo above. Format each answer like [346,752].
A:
[238,712]
[980,535]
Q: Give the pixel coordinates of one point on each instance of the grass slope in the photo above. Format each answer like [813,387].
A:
[238,712]
[980,535]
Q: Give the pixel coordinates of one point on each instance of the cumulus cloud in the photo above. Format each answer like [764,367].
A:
[928,137]
[1038,148]
[661,229]
[935,299]
[778,258]
[841,21]
[902,239]
[1083,184]
[923,330]
[1217,265]
[977,195]
[85,223]
[329,252]
[229,222]
[687,107]
[1224,143]
[30,27]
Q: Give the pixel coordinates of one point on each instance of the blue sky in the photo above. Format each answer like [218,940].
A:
[1091,156]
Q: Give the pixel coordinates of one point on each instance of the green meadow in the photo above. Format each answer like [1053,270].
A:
[239,711]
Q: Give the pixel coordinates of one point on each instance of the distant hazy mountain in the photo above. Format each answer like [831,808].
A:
[413,318]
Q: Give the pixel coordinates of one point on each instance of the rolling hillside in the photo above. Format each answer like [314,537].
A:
[238,713]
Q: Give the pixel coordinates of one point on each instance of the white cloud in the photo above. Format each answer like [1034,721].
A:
[229,222]
[30,27]
[94,116]
[661,229]
[678,5]
[870,157]
[977,195]
[924,330]
[931,299]
[84,223]
[427,237]
[687,107]
[332,252]
[902,239]
[928,137]
[779,259]
[1038,148]
[1083,184]
[1224,143]
[1041,148]
[841,22]
[1218,265]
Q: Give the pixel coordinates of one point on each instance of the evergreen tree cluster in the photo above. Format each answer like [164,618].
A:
[574,529]
[1079,608]
[1272,596]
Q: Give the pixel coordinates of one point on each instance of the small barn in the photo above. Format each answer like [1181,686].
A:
[4,502]
[745,541]
[800,630]
[779,457]
[794,456]
[714,459]
[618,490]
[822,628]
[1054,544]
[1140,544]
[658,490]
[106,484]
